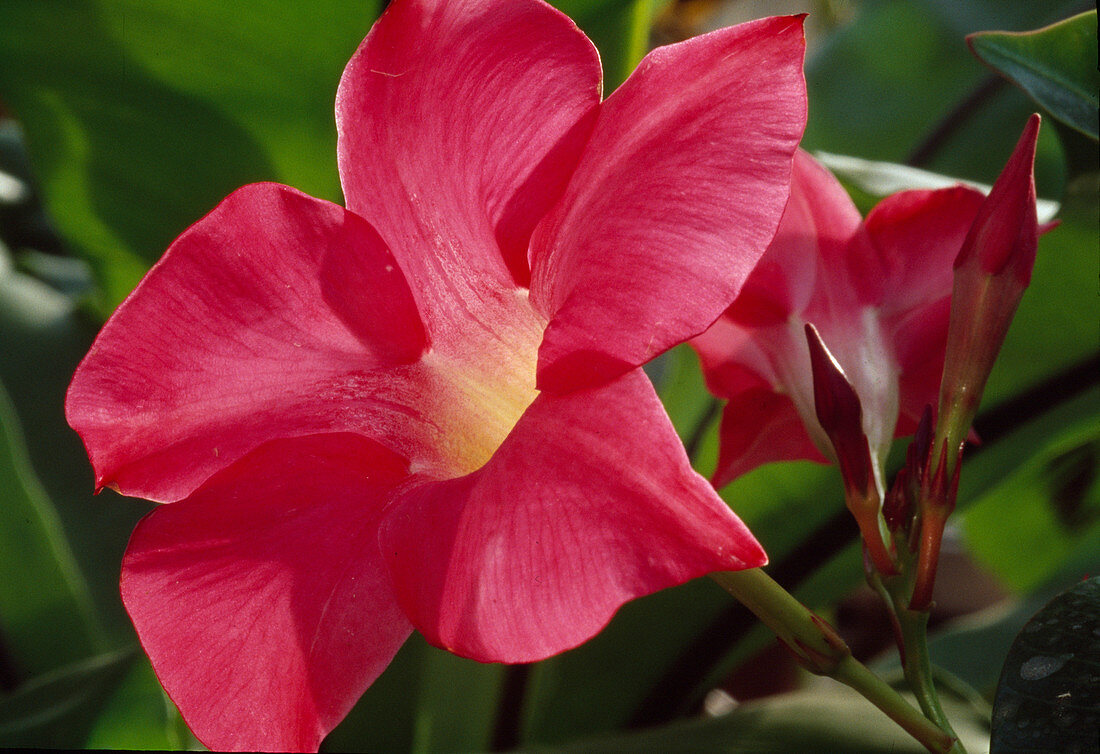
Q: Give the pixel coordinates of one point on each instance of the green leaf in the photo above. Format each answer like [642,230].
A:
[1056,65]
[882,81]
[457,708]
[599,685]
[974,15]
[1048,699]
[43,338]
[46,614]
[142,114]
[1047,506]
[693,410]
[139,715]
[827,719]
[57,710]
[384,719]
[426,700]
[965,647]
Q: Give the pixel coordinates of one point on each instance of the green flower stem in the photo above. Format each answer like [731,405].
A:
[913,626]
[818,648]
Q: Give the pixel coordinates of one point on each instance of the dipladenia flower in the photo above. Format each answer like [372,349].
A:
[876,291]
[425,410]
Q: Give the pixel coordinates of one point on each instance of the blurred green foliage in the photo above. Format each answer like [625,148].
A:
[140,115]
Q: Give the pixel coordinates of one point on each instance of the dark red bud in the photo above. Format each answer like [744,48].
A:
[1005,233]
[840,414]
[991,272]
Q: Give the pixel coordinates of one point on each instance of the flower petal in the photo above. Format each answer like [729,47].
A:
[807,257]
[921,343]
[589,503]
[273,316]
[760,426]
[745,364]
[758,370]
[916,236]
[459,125]
[262,600]
[678,194]
[734,358]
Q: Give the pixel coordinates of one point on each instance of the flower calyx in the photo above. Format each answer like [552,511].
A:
[938,492]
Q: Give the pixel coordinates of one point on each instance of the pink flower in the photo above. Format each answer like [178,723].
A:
[425,410]
[878,293]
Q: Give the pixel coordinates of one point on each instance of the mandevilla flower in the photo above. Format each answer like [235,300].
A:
[878,294]
[425,410]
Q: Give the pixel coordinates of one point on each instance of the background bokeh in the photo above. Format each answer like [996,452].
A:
[124,121]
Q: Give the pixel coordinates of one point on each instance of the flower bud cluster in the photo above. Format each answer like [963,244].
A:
[903,528]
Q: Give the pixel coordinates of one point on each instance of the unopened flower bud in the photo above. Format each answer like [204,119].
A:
[841,416]
[991,272]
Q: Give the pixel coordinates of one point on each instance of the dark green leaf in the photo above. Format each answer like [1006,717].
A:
[975,15]
[457,709]
[881,83]
[46,614]
[883,86]
[1048,506]
[42,338]
[426,700]
[599,686]
[1048,699]
[385,717]
[59,709]
[964,648]
[1056,65]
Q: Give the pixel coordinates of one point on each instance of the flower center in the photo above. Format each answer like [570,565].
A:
[484,390]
